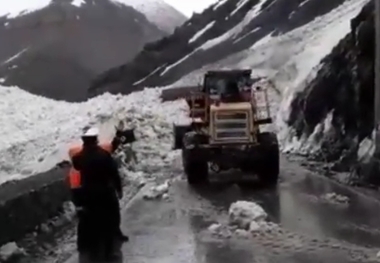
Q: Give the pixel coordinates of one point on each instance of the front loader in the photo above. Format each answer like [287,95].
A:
[226,113]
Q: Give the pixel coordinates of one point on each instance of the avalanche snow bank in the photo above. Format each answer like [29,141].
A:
[38,130]
[289,61]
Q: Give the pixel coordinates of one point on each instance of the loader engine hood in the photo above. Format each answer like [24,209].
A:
[230,123]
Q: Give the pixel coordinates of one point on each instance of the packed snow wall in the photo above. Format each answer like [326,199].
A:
[335,110]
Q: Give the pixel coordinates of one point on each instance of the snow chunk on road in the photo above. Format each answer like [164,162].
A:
[156,192]
[245,219]
[335,198]
[243,213]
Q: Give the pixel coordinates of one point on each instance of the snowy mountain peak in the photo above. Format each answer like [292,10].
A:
[12,9]
[157,11]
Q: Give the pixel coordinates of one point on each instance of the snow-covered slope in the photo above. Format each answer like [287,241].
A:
[75,40]
[158,12]
[38,131]
[224,29]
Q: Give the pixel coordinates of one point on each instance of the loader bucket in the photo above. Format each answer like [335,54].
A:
[126,136]
[178,93]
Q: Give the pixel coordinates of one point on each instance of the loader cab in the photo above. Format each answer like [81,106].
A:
[228,86]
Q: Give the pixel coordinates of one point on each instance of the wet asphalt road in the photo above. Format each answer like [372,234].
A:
[311,229]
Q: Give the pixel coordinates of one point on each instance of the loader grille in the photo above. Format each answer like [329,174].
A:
[231,126]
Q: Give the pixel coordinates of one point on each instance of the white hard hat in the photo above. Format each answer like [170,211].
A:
[91,132]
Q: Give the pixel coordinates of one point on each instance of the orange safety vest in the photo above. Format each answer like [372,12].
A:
[74,177]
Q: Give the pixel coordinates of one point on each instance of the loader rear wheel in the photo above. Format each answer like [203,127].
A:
[270,165]
[196,170]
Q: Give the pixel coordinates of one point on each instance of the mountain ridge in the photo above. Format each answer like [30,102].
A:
[56,50]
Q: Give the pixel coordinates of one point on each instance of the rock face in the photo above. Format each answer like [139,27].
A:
[227,28]
[341,94]
[55,51]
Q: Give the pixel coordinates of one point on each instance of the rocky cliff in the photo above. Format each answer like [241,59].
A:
[336,108]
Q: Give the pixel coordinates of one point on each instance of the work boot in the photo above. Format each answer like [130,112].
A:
[122,237]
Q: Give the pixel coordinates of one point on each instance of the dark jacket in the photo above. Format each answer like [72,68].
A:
[99,174]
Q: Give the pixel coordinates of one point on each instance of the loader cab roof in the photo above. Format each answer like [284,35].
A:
[219,81]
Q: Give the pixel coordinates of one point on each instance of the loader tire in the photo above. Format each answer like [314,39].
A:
[179,132]
[270,165]
[195,168]
[196,172]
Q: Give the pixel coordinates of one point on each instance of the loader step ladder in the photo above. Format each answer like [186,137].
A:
[261,104]
[199,106]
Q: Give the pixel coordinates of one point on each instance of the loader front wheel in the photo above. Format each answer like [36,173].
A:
[196,170]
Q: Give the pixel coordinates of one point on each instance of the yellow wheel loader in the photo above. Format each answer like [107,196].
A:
[226,113]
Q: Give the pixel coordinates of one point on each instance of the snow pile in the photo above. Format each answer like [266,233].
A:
[157,192]
[9,251]
[335,198]
[245,219]
[243,213]
[38,131]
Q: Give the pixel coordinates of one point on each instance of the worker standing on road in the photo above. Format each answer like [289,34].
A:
[96,186]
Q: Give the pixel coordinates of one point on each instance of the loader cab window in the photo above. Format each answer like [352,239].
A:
[214,86]
[225,85]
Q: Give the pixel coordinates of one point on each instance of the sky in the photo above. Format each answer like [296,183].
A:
[187,7]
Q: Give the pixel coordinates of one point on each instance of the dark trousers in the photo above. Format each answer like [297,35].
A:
[99,223]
